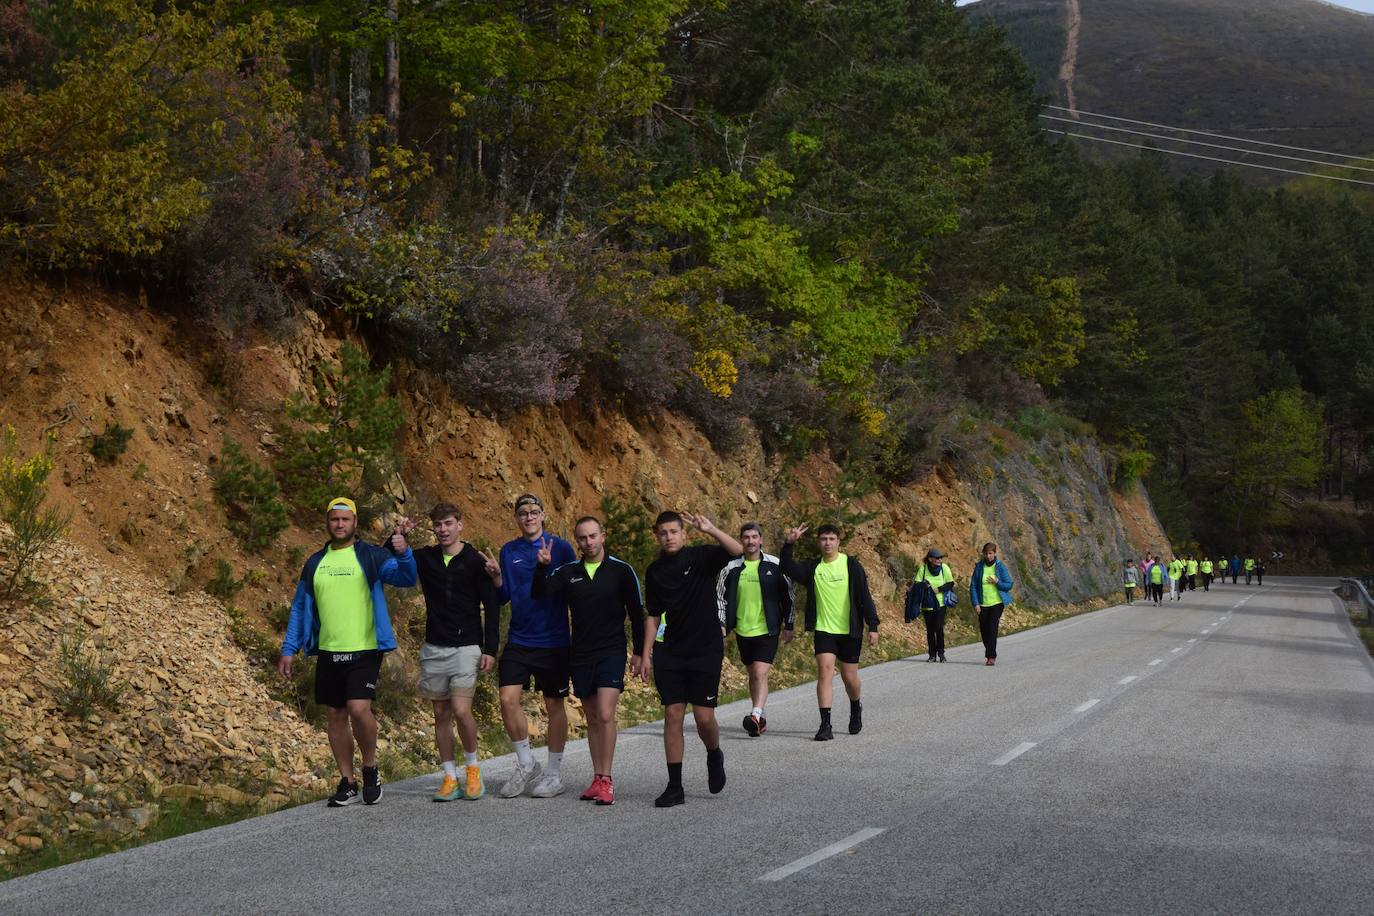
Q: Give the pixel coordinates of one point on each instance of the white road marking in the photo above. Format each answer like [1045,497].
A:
[1125,680]
[834,849]
[1191,641]
[1156,662]
[1012,754]
[1084,707]
[1179,649]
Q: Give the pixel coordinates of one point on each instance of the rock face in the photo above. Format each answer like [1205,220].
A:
[196,718]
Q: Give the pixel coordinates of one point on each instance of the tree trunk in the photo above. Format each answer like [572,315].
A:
[391,79]
[359,107]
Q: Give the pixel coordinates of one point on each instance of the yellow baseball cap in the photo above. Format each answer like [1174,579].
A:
[342,502]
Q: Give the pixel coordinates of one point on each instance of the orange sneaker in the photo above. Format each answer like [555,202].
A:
[449,790]
[474,787]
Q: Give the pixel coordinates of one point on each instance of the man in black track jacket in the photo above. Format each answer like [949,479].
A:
[754,599]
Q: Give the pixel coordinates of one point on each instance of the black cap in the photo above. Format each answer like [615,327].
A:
[526,499]
[934,554]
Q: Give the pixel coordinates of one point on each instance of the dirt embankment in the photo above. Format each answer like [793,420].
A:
[197,718]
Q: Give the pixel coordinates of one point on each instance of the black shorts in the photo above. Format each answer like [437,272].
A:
[757,648]
[844,648]
[548,668]
[687,680]
[588,678]
[344,676]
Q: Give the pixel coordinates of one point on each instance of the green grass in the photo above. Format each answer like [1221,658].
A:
[178,817]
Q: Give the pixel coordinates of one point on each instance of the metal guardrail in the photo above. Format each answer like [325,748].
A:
[1358,589]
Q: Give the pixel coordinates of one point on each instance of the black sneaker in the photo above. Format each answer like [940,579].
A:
[346,794]
[856,717]
[715,770]
[931,659]
[751,725]
[942,658]
[673,795]
[825,732]
[372,786]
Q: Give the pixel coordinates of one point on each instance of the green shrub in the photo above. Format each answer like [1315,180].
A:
[88,678]
[222,584]
[248,490]
[113,442]
[629,531]
[23,490]
[1132,465]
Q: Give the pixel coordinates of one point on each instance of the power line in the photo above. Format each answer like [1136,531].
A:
[1175,152]
[1237,149]
[1205,133]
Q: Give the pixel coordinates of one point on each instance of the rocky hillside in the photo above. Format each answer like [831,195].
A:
[201,713]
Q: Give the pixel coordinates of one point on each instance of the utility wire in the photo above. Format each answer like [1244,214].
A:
[1175,152]
[1237,149]
[1205,133]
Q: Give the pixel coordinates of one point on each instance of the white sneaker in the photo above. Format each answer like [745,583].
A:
[519,779]
[547,787]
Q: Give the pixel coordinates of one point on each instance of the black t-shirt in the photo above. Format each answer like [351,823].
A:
[454,592]
[683,587]
[598,604]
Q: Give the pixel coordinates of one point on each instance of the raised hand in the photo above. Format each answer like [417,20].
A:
[545,555]
[699,522]
[792,535]
[493,566]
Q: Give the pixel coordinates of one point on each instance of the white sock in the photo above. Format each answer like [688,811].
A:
[470,758]
[758,711]
[522,752]
[450,769]
[555,764]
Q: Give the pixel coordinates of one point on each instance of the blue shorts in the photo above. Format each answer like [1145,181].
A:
[588,678]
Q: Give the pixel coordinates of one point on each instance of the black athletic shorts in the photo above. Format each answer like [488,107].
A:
[757,648]
[844,648]
[548,668]
[344,676]
[604,672]
[687,680]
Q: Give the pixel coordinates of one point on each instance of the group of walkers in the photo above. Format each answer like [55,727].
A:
[567,628]
[1183,574]
[932,593]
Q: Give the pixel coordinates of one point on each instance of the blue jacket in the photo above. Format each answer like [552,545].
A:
[379,565]
[975,582]
[535,623]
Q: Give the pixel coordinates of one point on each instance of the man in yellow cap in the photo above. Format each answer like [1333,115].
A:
[339,613]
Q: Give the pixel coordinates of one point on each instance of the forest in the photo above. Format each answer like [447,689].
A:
[836,223]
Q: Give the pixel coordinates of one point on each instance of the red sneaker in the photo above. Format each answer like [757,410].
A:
[605,792]
[593,790]
[990,662]
[763,724]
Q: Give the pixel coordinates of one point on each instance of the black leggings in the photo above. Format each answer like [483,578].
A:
[988,620]
[935,630]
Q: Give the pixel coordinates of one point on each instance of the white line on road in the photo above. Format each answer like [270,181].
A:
[834,849]
[1012,754]
[1191,641]
[1125,680]
[1156,662]
[1084,707]
[1179,649]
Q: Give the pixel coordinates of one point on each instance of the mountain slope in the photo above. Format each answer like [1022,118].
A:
[1297,72]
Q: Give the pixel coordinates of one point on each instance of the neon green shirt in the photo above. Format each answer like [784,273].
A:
[749,617]
[832,596]
[991,596]
[1192,567]
[1175,569]
[1249,564]
[344,603]
[1207,567]
[1156,574]
[935,579]
[591,568]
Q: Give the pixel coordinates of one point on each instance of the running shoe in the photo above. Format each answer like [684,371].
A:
[473,787]
[751,725]
[825,732]
[520,780]
[590,793]
[715,770]
[673,795]
[549,785]
[449,790]
[372,786]
[346,794]
[931,659]
[856,717]
[942,658]
[763,724]
[605,793]
[990,662]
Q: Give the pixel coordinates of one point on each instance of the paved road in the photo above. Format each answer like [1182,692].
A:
[1210,755]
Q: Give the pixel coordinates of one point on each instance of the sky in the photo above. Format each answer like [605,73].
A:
[1364,6]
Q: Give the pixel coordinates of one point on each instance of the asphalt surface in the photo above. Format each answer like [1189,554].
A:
[1226,765]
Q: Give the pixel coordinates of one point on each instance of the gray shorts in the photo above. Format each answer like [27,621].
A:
[447,671]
